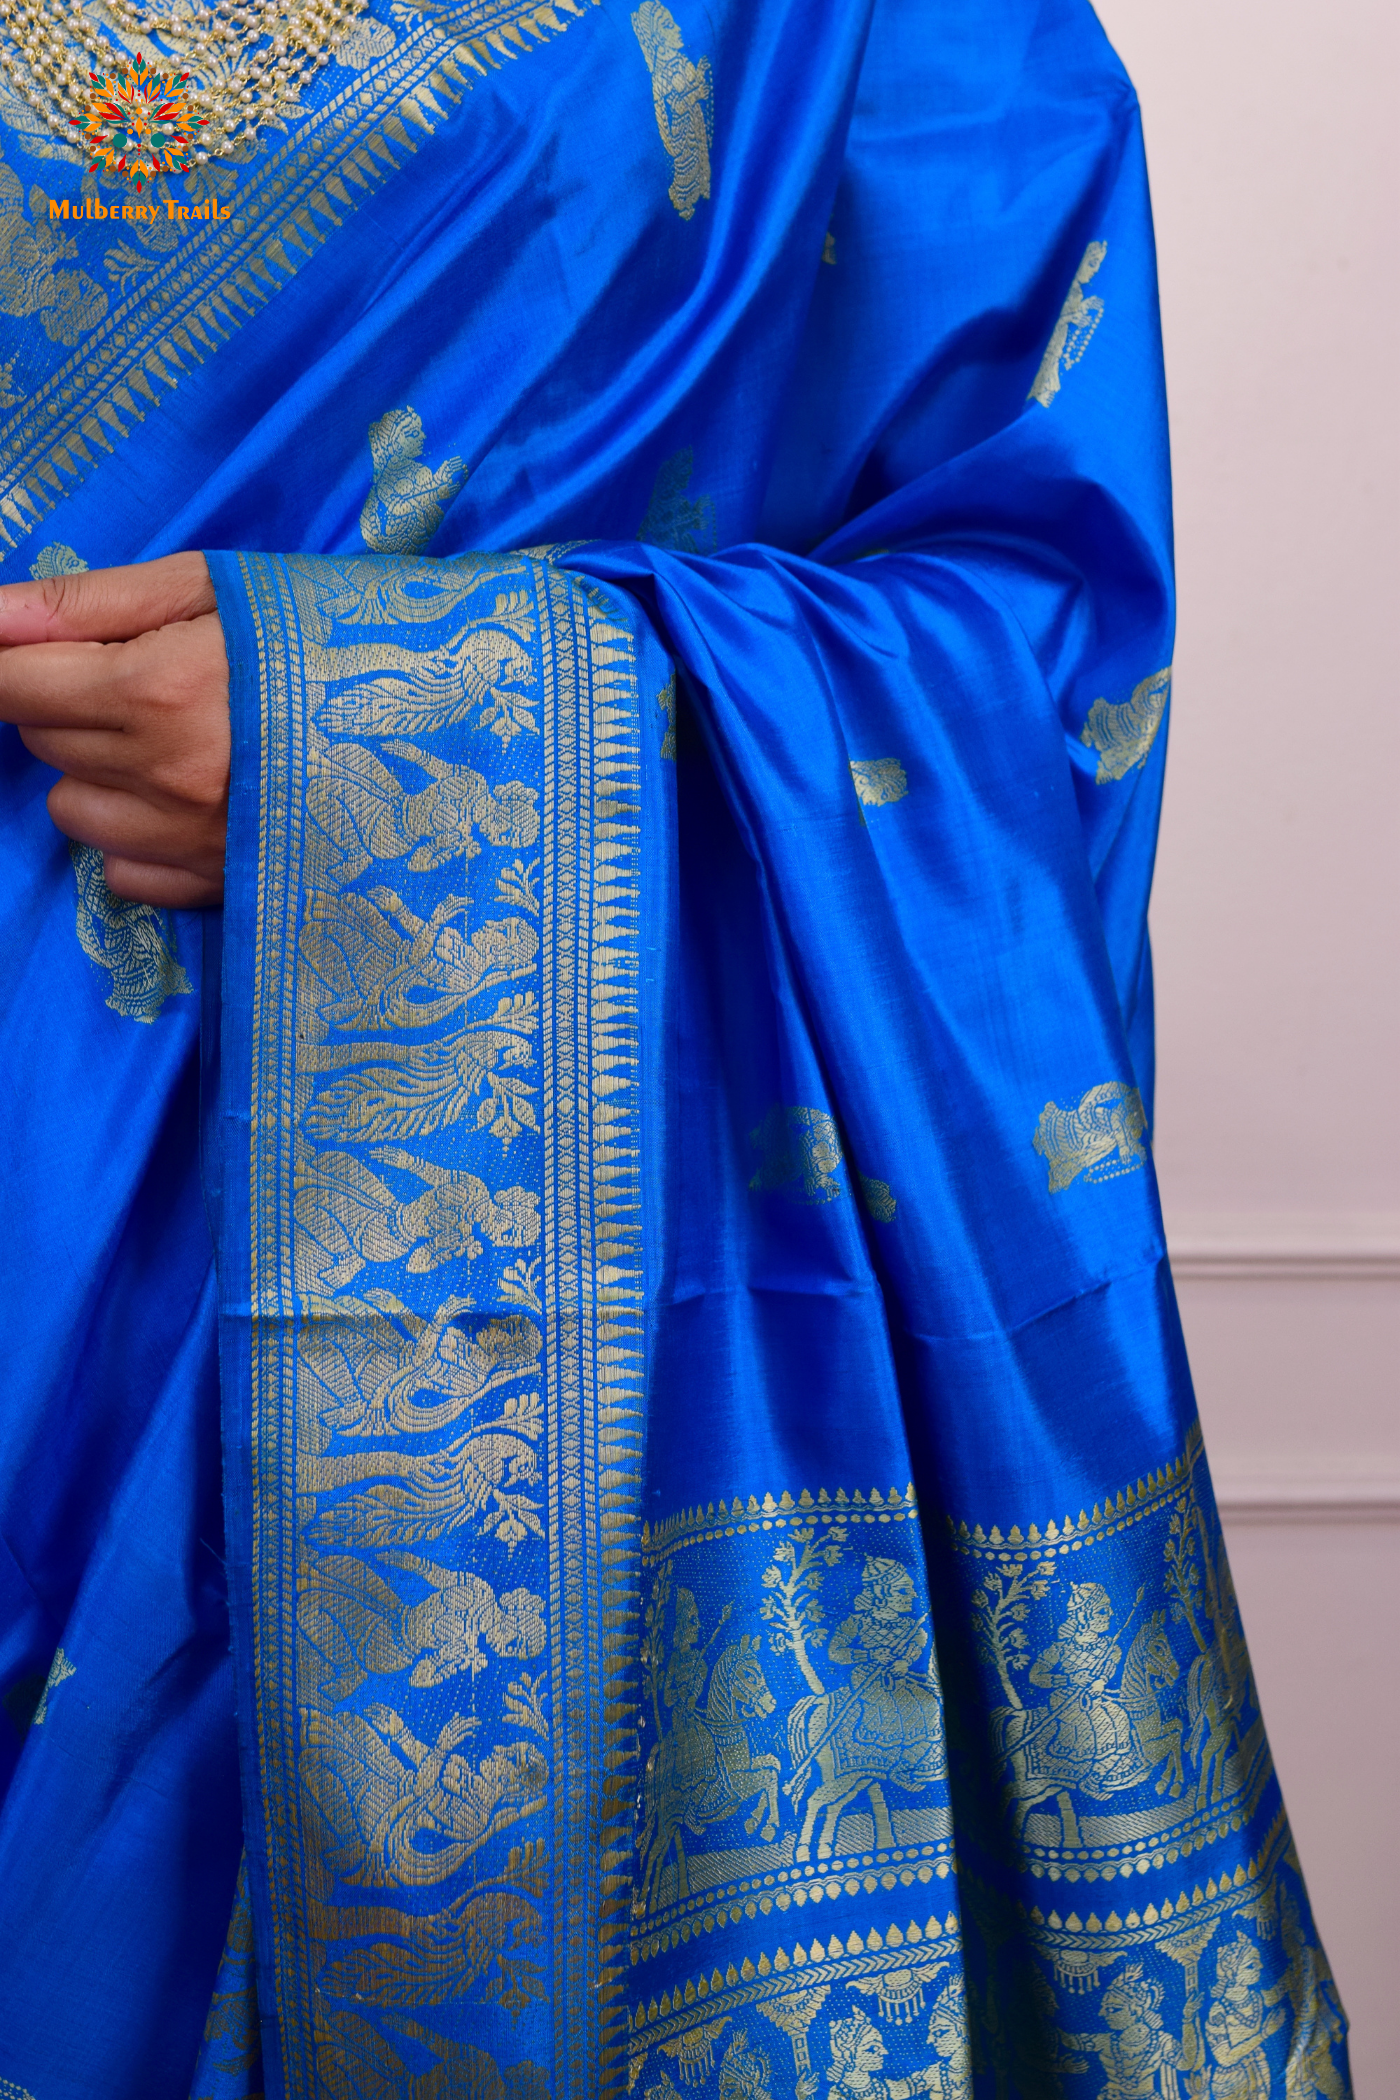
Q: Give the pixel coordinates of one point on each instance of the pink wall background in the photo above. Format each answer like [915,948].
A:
[1273,142]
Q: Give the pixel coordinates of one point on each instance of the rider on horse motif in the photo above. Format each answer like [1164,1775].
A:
[682,1688]
[900,1718]
[1085,1737]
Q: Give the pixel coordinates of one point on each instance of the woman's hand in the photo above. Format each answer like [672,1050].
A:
[118,678]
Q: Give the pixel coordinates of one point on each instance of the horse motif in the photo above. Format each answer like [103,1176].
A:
[1150,1663]
[702,1770]
[884,1726]
[1090,1738]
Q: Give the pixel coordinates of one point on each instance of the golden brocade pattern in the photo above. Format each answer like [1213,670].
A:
[1128,1727]
[800,1159]
[1123,735]
[57,559]
[674,516]
[1144,1942]
[133,943]
[446,1470]
[174,305]
[1078,319]
[800,1155]
[36,282]
[879,781]
[406,502]
[1101,1138]
[60,1670]
[683,95]
[792,1722]
[666,701]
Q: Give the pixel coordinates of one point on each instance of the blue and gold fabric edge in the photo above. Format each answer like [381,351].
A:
[312,1840]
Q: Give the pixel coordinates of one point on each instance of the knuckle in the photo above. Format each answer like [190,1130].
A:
[56,598]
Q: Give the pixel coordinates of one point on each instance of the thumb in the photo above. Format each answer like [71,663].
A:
[106,605]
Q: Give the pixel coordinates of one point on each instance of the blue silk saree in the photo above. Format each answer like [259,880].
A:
[597,1449]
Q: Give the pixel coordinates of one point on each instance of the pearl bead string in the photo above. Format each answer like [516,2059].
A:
[248,59]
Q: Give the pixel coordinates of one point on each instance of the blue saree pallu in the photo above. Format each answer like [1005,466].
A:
[596,1445]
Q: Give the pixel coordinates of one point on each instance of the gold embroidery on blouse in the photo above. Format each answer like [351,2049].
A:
[1100,1139]
[681,93]
[1069,339]
[1124,735]
[879,781]
[134,942]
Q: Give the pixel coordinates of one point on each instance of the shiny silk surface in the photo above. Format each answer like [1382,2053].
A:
[726,1597]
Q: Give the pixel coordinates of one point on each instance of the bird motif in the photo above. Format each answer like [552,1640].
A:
[431,1086]
[479,1480]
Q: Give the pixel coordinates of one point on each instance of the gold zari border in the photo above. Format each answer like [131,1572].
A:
[592,1301]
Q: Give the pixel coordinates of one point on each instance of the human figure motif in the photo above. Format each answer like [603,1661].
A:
[947,2030]
[1317,2016]
[405,505]
[743,2075]
[682,1688]
[681,95]
[1239,2023]
[901,1717]
[858,2054]
[384,1793]
[1087,1738]
[1138,2055]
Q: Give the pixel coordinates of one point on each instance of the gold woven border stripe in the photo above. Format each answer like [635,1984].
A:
[618,1277]
[593,1308]
[274,1365]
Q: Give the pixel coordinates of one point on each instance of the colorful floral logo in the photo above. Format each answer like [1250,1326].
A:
[139,123]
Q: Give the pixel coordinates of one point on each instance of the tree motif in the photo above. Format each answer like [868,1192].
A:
[1001,1605]
[797,1623]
